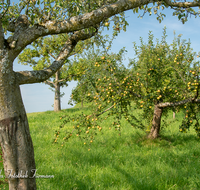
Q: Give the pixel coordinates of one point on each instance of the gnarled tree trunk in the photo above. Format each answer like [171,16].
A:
[155,129]
[15,139]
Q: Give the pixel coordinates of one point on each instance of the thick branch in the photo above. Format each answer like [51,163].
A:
[75,23]
[26,77]
[172,104]
[86,20]
[182,4]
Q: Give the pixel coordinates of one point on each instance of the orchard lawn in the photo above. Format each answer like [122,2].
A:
[115,160]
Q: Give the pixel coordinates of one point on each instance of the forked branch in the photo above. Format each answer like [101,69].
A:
[27,77]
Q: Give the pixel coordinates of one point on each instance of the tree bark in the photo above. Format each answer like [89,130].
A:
[15,139]
[155,129]
[57,105]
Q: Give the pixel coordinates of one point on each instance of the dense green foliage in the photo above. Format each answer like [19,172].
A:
[160,75]
[98,63]
[166,73]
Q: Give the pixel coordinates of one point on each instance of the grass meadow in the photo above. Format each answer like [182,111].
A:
[114,162]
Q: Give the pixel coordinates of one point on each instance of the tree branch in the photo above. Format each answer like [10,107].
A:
[49,82]
[97,115]
[105,110]
[86,20]
[62,80]
[27,77]
[75,23]
[51,54]
[172,104]
[182,4]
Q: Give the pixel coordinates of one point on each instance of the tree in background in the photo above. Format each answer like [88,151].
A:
[43,51]
[161,77]
[164,78]
[26,21]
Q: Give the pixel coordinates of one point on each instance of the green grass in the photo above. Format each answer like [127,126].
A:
[127,161]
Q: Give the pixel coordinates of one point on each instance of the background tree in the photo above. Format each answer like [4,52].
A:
[105,70]
[161,77]
[164,77]
[25,22]
[45,50]
[42,52]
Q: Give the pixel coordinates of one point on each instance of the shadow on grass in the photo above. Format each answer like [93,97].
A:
[165,140]
[180,139]
[115,173]
[111,175]
[134,182]
[144,171]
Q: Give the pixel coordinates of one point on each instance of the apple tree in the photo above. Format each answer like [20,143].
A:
[43,51]
[24,22]
[160,78]
[97,86]
[167,77]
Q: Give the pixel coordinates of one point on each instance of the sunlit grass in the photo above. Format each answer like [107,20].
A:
[115,160]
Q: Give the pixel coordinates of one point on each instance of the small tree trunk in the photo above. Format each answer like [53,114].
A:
[15,139]
[155,129]
[174,115]
[57,104]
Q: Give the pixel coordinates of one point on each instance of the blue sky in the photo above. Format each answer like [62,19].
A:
[39,98]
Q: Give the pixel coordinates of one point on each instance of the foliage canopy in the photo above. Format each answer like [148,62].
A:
[162,75]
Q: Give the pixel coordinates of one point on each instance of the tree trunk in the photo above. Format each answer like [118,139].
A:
[81,103]
[57,105]
[15,139]
[174,115]
[155,129]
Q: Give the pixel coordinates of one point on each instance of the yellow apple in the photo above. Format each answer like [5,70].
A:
[107,24]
